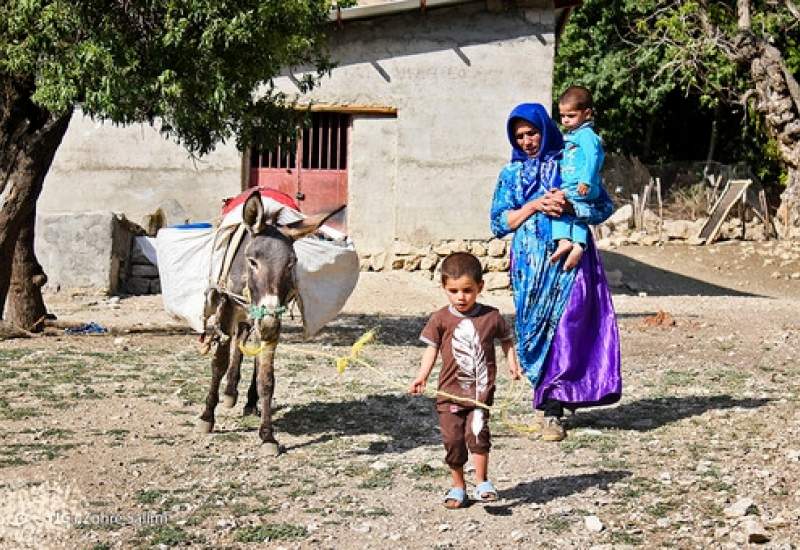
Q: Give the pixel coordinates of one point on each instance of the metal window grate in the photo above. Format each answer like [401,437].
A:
[322,146]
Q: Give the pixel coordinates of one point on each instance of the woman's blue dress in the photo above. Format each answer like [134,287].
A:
[567,336]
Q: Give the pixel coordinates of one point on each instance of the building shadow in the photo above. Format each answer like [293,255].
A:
[649,414]
[638,276]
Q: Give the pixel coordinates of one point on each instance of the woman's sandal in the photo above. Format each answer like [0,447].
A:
[455,498]
[485,492]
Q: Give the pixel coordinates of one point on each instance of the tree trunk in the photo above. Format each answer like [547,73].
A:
[29,138]
[789,211]
[25,303]
[776,90]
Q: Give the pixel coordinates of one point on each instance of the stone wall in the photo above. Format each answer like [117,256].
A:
[617,231]
[493,255]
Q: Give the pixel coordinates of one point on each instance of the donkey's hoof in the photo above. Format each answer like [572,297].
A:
[205,427]
[229,401]
[251,411]
[270,449]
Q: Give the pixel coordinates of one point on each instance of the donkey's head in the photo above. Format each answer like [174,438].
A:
[270,261]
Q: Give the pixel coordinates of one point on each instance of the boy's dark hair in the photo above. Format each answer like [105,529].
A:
[578,97]
[458,264]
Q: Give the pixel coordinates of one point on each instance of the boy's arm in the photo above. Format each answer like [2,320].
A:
[511,359]
[593,155]
[417,387]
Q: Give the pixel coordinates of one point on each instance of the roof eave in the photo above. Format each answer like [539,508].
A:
[390,8]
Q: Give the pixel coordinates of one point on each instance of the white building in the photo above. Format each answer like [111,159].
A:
[409,129]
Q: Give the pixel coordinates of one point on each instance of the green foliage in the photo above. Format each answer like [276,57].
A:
[653,63]
[193,64]
[596,51]
[270,532]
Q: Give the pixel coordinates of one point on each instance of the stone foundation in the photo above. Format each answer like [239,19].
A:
[618,230]
[493,255]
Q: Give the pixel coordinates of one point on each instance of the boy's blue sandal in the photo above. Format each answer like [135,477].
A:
[455,498]
[485,492]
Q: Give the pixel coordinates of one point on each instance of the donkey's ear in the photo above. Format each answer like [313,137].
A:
[298,230]
[253,212]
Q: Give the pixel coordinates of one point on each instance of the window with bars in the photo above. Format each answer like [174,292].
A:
[322,146]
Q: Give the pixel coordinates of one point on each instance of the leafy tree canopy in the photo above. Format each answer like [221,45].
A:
[193,64]
[647,60]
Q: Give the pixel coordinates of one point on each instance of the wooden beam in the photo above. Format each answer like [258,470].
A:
[730,196]
[349,109]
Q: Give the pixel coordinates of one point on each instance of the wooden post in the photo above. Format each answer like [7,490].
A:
[741,216]
[762,199]
[660,208]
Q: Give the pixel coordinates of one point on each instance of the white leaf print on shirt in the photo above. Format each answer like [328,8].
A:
[472,368]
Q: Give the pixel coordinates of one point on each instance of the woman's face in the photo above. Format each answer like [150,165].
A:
[528,137]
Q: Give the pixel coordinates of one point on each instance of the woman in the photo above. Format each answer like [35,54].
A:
[567,337]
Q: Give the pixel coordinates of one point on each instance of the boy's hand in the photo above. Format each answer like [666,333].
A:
[417,387]
[583,189]
[515,371]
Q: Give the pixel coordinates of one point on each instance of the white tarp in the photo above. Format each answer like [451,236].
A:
[184,262]
[190,261]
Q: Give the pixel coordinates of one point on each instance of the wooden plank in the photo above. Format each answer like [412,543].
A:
[348,109]
[729,197]
[753,199]
[660,208]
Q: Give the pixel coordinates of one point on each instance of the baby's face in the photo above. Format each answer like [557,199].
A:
[572,117]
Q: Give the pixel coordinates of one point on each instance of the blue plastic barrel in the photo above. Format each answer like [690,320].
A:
[197,225]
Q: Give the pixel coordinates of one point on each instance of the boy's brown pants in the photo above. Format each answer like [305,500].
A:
[455,423]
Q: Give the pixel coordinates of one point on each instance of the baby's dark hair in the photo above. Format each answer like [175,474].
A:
[578,97]
[458,264]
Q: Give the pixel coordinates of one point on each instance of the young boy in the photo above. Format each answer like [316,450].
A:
[464,333]
[580,171]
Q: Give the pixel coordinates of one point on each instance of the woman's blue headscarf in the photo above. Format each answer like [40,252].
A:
[534,113]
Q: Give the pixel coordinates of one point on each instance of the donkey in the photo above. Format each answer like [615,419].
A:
[250,301]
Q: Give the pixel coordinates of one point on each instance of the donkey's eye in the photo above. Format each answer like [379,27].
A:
[252,263]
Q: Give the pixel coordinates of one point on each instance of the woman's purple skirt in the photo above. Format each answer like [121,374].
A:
[583,365]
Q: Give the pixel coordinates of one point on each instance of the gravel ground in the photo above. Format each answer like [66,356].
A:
[100,448]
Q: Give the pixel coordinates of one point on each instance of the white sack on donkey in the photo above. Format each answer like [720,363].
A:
[191,259]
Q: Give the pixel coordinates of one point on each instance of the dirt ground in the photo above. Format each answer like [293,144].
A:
[100,449]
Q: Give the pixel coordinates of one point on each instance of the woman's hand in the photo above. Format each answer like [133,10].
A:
[554,203]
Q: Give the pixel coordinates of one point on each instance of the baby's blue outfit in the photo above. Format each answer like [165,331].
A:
[582,161]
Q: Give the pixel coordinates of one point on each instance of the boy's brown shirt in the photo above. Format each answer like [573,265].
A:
[466,344]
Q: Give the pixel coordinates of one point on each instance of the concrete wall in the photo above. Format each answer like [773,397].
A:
[83,250]
[134,170]
[453,74]
[426,175]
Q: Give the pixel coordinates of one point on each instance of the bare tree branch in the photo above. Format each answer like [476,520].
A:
[743,9]
[794,10]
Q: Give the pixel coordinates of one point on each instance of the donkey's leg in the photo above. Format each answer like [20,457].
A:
[251,407]
[266,387]
[231,393]
[219,364]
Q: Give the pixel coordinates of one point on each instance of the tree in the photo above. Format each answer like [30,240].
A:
[192,65]
[734,54]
